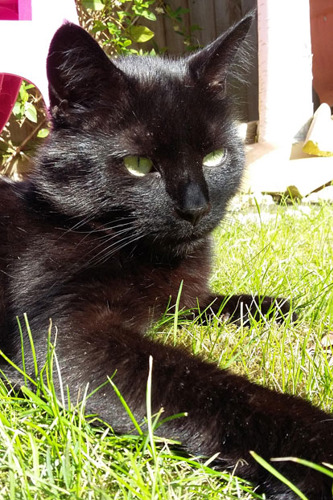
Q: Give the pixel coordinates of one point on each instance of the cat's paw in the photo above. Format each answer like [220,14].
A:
[277,308]
[240,308]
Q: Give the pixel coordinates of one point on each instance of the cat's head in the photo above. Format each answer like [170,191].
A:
[143,139]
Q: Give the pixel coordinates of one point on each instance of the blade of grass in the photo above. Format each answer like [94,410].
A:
[278,475]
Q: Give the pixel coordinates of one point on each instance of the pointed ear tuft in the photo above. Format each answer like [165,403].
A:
[210,65]
[78,70]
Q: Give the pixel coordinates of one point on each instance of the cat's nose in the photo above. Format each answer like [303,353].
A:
[194,203]
[193,215]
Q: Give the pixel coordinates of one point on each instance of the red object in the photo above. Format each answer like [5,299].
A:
[9,89]
[322,48]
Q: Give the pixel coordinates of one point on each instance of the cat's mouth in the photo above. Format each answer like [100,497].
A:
[183,235]
[193,215]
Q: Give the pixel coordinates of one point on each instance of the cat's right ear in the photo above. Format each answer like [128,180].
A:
[79,72]
[210,66]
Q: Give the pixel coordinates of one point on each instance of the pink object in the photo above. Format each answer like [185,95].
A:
[15,10]
[26,30]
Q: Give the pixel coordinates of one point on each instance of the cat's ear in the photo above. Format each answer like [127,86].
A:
[210,65]
[78,70]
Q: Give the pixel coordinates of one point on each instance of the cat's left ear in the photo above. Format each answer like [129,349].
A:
[210,65]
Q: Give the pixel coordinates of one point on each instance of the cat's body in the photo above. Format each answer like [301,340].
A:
[100,250]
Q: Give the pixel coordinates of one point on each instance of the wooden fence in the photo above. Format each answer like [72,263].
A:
[213,17]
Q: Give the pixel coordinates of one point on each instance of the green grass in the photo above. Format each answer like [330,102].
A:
[47,452]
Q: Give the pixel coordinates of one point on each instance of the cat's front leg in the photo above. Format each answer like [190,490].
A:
[225,413]
[238,308]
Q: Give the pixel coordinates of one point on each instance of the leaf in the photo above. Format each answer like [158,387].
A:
[126,43]
[140,34]
[98,26]
[122,14]
[93,4]
[43,132]
[29,86]
[17,110]
[23,94]
[148,15]
[30,112]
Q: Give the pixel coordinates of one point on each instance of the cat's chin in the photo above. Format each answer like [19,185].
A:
[188,247]
[178,246]
[169,254]
[184,239]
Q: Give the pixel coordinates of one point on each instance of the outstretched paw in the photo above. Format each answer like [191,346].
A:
[239,309]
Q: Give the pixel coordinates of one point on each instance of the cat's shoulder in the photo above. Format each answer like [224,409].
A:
[11,200]
[7,192]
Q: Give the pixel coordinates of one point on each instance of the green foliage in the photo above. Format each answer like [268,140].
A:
[93,4]
[24,107]
[26,130]
[176,16]
[122,22]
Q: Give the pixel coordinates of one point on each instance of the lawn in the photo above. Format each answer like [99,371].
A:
[48,452]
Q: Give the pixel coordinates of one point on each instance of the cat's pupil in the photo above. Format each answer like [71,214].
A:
[138,165]
[215,158]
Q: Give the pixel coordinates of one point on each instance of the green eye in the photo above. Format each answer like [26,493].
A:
[215,158]
[138,165]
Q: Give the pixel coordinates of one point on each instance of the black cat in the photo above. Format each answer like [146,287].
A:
[140,164]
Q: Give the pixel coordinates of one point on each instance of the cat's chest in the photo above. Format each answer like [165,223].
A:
[142,292]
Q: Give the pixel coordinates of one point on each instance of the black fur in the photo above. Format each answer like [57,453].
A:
[100,251]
